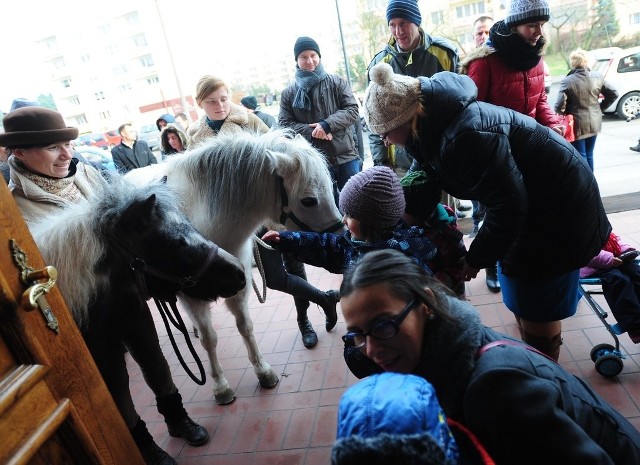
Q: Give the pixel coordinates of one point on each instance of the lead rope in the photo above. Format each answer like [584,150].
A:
[178,322]
[257,242]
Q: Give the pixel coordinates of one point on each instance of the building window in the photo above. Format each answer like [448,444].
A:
[104,115]
[125,87]
[59,63]
[471,9]
[66,83]
[50,43]
[75,100]
[99,95]
[146,61]
[81,119]
[140,40]
[85,58]
[634,18]
[120,69]
[153,80]
[437,17]
[104,28]
[132,18]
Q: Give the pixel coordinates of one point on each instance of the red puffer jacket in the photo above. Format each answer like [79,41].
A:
[522,91]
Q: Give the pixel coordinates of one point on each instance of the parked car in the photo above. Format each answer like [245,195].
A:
[93,139]
[621,69]
[98,158]
[150,134]
[113,138]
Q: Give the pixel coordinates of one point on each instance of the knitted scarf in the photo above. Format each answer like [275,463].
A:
[306,80]
[513,49]
[64,188]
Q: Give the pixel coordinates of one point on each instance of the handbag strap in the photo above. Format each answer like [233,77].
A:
[506,342]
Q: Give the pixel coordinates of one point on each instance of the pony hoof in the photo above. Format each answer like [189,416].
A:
[225,397]
[268,380]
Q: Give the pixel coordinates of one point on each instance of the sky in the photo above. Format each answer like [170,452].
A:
[198,30]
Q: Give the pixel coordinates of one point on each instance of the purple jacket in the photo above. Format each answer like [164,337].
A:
[601,262]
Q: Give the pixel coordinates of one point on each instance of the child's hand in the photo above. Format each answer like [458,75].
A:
[617,262]
[271,237]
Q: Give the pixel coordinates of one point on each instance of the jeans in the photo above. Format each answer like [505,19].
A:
[585,147]
[340,174]
[479,211]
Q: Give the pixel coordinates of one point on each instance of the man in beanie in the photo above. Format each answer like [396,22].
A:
[411,52]
[373,204]
[251,104]
[520,170]
[322,108]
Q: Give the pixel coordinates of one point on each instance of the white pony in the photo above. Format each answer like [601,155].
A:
[228,188]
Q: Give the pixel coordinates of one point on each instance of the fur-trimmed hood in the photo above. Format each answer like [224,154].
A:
[164,139]
[475,54]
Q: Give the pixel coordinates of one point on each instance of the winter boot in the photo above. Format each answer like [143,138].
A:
[178,422]
[331,299]
[309,336]
[150,451]
[636,148]
[549,347]
[492,278]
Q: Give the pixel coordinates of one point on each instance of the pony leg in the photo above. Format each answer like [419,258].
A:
[239,306]
[200,315]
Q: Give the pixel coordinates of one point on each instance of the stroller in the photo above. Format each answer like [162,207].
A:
[607,358]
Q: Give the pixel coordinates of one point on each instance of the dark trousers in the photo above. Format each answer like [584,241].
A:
[106,336]
[479,211]
[286,274]
[621,289]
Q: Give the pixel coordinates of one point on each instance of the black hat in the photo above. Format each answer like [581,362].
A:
[34,126]
[249,102]
[305,43]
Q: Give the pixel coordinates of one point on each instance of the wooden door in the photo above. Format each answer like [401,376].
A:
[54,406]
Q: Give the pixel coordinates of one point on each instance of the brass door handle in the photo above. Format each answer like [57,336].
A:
[34,296]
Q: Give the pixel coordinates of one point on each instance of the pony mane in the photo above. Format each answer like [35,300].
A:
[75,240]
[234,159]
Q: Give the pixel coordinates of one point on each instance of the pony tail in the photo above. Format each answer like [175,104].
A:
[613,245]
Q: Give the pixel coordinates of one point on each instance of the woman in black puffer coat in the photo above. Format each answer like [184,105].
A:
[545,217]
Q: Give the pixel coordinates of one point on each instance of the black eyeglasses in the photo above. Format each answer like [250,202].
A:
[381,331]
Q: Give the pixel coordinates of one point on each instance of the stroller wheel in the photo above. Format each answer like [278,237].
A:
[609,365]
[600,350]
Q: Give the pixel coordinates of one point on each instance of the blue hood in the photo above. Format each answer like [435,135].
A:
[167,117]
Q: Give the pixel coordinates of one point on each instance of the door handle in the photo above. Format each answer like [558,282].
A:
[39,282]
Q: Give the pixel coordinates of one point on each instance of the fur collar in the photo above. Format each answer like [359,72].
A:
[477,53]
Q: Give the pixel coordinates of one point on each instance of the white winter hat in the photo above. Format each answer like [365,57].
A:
[390,100]
[527,11]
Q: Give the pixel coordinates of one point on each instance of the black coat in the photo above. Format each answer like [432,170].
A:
[544,211]
[127,159]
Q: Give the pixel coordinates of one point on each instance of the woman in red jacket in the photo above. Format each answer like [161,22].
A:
[508,70]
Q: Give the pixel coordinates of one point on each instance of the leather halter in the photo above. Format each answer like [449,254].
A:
[287,214]
[141,269]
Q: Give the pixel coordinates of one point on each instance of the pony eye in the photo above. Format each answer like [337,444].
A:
[309,201]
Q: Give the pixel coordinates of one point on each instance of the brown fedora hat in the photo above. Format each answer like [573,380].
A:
[35,126]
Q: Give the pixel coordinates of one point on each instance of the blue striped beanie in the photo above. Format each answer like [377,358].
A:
[405,9]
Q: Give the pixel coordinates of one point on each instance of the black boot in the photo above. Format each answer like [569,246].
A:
[331,315]
[636,148]
[309,336]
[150,451]
[492,278]
[178,422]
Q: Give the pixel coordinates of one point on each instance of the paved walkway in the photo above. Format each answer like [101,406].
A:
[295,423]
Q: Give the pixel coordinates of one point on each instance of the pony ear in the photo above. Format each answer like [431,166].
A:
[281,164]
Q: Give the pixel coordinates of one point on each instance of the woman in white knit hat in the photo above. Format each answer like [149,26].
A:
[544,217]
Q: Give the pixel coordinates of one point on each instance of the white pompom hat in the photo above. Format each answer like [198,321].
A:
[390,100]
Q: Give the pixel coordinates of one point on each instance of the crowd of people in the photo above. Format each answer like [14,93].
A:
[445,389]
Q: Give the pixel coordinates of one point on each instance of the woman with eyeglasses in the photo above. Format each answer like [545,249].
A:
[523,406]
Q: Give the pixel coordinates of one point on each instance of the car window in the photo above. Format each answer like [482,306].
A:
[601,66]
[629,63]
